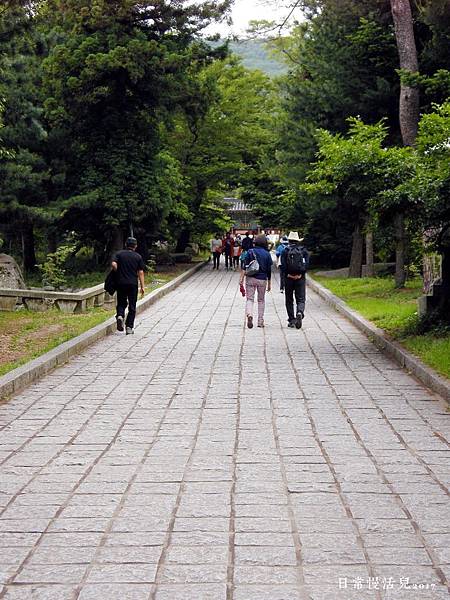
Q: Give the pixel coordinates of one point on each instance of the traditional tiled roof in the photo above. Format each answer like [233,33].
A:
[236,205]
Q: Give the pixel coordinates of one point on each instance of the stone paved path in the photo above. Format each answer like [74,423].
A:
[198,460]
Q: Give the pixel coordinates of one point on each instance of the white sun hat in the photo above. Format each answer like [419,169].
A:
[294,237]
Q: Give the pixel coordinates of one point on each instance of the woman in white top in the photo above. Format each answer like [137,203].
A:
[216,250]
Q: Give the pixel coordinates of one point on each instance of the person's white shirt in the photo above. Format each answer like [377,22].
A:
[215,245]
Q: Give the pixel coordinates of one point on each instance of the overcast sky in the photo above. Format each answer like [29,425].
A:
[252,10]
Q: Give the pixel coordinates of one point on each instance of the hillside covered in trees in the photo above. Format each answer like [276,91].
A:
[256,55]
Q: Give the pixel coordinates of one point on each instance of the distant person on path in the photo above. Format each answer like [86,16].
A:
[129,267]
[279,253]
[247,242]
[260,282]
[228,245]
[295,262]
[237,250]
[216,251]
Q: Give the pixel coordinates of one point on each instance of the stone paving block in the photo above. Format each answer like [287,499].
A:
[65,555]
[43,592]
[11,540]
[398,556]
[201,524]
[115,591]
[333,556]
[265,555]
[208,591]
[61,574]
[70,539]
[122,573]
[269,592]
[200,538]
[192,555]
[183,573]
[265,575]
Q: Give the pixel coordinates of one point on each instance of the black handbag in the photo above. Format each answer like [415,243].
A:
[111,283]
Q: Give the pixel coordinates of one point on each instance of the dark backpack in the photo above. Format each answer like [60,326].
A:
[295,260]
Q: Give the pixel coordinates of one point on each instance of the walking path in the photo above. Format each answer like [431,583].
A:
[199,460]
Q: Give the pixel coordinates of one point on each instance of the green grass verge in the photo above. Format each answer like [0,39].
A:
[395,311]
[434,351]
[25,335]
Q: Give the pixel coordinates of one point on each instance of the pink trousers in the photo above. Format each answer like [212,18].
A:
[251,285]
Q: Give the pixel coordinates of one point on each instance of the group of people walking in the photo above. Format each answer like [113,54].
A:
[249,255]
[256,271]
[232,248]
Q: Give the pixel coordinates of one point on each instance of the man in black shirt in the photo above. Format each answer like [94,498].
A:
[129,266]
[295,262]
[247,242]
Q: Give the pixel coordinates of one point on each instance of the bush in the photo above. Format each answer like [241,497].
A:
[163,256]
[53,270]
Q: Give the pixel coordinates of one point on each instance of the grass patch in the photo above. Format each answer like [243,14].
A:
[378,301]
[25,335]
[395,311]
[434,351]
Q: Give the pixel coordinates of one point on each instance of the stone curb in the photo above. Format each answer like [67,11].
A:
[408,361]
[19,378]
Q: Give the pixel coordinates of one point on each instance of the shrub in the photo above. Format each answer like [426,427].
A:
[53,270]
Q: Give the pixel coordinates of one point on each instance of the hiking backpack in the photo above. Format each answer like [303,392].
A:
[295,260]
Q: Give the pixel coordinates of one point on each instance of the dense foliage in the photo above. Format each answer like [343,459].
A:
[119,117]
[92,94]
[344,64]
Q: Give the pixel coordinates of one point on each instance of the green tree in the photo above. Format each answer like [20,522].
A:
[23,172]
[120,70]
[344,62]
[347,176]
[223,137]
[430,189]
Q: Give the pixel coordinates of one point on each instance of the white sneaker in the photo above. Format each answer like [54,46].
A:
[129,331]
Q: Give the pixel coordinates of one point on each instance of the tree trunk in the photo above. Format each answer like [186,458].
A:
[142,246]
[28,249]
[409,110]
[370,267]
[356,259]
[406,44]
[400,250]
[444,305]
[115,243]
[183,240]
[52,241]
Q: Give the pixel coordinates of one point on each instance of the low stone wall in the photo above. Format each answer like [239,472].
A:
[41,300]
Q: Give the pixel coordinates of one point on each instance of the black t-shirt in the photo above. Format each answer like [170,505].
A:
[129,263]
[247,243]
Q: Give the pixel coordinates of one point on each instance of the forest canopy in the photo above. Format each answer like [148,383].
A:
[122,116]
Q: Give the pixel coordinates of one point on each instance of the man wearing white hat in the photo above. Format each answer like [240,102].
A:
[294,262]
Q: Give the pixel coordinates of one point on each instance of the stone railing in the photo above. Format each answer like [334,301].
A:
[68,302]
